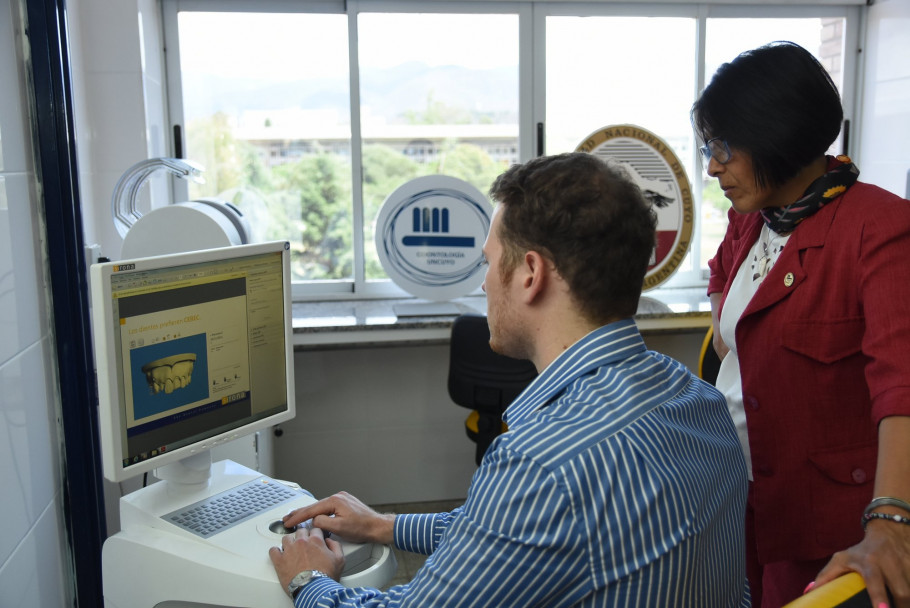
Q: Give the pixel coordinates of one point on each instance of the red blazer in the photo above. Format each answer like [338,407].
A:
[824,350]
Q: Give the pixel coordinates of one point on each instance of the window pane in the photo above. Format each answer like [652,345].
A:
[621,70]
[726,38]
[266,110]
[439,95]
[617,70]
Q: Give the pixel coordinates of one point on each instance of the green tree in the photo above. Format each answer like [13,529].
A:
[471,164]
[228,163]
[316,193]
[714,196]
[384,170]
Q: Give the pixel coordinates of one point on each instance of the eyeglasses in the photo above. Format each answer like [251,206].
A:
[717,149]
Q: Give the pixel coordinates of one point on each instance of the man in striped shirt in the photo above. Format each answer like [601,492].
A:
[620,481]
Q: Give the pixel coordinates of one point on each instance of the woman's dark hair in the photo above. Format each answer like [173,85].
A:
[776,102]
[589,219]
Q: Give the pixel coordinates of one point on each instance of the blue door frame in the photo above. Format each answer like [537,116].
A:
[58,174]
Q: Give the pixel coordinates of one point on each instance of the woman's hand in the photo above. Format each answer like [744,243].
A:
[882,559]
[719,346]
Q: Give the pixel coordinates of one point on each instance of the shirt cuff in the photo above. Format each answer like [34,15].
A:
[420,532]
[315,590]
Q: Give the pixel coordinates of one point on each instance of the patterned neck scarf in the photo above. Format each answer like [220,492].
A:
[842,174]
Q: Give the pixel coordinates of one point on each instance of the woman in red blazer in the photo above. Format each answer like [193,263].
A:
[810,293]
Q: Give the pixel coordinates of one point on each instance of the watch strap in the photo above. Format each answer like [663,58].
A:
[297,584]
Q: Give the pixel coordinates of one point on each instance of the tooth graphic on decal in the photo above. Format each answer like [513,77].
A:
[170,373]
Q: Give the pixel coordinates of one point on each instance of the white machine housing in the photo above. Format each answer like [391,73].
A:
[152,563]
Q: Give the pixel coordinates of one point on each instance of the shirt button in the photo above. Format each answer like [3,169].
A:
[859,475]
[765,470]
[752,402]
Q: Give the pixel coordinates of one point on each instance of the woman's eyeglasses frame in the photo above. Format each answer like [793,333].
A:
[716,148]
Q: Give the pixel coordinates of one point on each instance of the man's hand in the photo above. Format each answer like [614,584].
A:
[306,550]
[882,559]
[346,517]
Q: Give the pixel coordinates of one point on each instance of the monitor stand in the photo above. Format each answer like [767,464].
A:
[152,563]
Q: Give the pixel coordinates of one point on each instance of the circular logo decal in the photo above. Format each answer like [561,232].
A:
[651,163]
[429,237]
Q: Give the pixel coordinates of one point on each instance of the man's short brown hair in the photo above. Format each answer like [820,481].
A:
[589,219]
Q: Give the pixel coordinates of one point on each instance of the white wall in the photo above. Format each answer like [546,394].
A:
[34,562]
[885,153]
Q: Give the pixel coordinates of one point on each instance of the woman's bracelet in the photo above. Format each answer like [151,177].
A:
[887,501]
[867,517]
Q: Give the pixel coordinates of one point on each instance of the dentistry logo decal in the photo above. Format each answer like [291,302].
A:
[429,237]
[662,179]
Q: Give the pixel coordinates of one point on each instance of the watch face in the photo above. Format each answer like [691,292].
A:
[299,581]
[303,578]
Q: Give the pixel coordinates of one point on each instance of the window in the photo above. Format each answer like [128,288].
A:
[266,110]
[307,115]
[430,103]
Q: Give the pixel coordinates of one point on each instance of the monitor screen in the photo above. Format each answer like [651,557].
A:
[192,350]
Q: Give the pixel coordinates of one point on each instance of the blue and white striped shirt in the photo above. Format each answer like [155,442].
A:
[619,483]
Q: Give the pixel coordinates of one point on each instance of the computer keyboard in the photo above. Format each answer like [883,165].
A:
[231,507]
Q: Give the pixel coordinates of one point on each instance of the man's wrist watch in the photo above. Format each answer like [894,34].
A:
[301,579]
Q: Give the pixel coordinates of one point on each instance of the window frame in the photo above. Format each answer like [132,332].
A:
[532,18]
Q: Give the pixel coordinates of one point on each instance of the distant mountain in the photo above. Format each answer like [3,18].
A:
[389,92]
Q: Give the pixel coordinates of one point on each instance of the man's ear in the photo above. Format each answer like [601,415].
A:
[536,277]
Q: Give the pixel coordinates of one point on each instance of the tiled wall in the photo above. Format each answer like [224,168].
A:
[33,554]
[885,158]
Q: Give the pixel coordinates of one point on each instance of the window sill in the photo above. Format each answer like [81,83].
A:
[403,322]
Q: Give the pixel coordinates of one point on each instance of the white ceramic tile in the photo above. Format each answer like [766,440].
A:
[887,38]
[116,120]
[29,469]
[21,302]
[14,150]
[89,210]
[883,154]
[34,575]
[157,131]
[103,184]
[110,37]
[152,39]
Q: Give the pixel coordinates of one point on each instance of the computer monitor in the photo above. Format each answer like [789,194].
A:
[192,350]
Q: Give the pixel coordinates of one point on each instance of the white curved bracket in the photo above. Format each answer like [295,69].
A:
[123,202]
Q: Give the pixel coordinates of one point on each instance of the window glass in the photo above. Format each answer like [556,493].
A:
[619,70]
[605,71]
[438,94]
[266,108]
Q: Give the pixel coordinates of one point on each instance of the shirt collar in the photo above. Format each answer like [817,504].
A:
[604,345]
